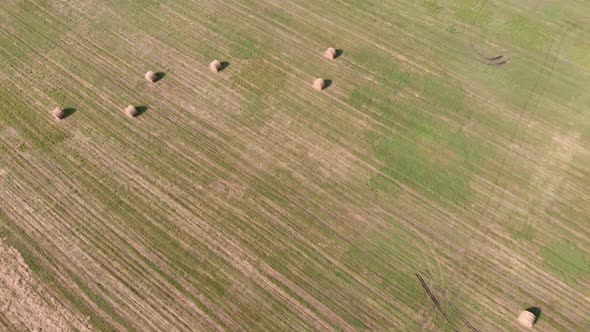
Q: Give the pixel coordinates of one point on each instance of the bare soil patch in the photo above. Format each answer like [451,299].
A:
[25,303]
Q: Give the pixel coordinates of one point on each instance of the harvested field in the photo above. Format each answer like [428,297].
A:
[25,304]
[423,191]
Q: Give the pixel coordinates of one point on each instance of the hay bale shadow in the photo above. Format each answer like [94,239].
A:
[327,84]
[535,311]
[68,111]
[224,64]
[159,76]
[338,53]
[141,110]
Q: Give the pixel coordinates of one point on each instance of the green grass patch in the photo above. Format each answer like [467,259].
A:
[395,77]
[380,184]
[244,48]
[371,57]
[432,7]
[566,260]
[29,123]
[419,168]
[261,78]
[27,29]
[580,54]
[443,93]
[427,155]
[522,232]
[471,12]
[279,16]
[528,33]
[252,112]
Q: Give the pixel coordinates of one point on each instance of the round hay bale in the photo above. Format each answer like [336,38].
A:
[319,84]
[59,113]
[151,76]
[330,53]
[526,319]
[215,66]
[131,111]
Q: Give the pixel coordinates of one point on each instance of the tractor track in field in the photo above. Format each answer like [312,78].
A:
[434,300]
[532,101]
[440,305]
[490,60]
[535,95]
